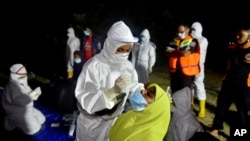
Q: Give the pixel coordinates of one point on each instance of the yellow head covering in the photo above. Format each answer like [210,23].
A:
[148,125]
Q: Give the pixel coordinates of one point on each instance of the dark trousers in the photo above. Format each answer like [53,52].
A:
[232,93]
[179,81]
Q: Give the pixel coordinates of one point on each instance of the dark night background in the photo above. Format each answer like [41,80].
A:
[35,33]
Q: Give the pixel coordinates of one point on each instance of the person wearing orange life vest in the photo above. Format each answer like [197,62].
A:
[184,56]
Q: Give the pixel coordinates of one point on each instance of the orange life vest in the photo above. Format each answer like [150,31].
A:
[189,64]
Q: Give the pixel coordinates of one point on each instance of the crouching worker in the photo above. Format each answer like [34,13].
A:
[149,119]
[18,103]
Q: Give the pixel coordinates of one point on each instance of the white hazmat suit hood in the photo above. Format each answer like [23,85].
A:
[18,75]
[196,30]
[146,34]
[118,35]
[71,32]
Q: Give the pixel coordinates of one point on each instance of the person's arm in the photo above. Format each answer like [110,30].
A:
[35,93]
[194,47]
[171,50]
[203,50]
[93,92]
[96,45]
[23,100]
[152,57]
[134,54]
[88,91]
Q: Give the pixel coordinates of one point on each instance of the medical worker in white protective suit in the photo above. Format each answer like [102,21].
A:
[104,85]
[73,44]
[144,56]
[199,88]
[18,103]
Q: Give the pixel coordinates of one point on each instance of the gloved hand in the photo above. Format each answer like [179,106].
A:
[35,93]
[149,70]
[169,49]
[121,83]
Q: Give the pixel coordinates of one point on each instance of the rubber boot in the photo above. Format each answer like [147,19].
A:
[202,111]
[70,74]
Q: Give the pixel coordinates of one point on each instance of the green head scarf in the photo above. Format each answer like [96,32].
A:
[148,125]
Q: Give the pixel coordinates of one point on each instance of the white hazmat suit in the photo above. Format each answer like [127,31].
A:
[104,77]
[144,56]
[199,88]
[73,44]
[18,103]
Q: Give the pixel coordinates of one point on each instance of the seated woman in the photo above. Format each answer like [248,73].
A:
[149,119]
[183,124]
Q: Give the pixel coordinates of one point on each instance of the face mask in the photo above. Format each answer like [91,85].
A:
[143,39]
[86,33]
[137,101]
[123,56]
[78,60]
[182,35]
[22,80]
[194,34]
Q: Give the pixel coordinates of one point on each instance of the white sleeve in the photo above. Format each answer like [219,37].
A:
[152,57]
[134,54]
[88,91]
[203,49]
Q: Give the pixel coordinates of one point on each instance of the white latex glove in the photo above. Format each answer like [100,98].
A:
[35,93]
[121,83]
